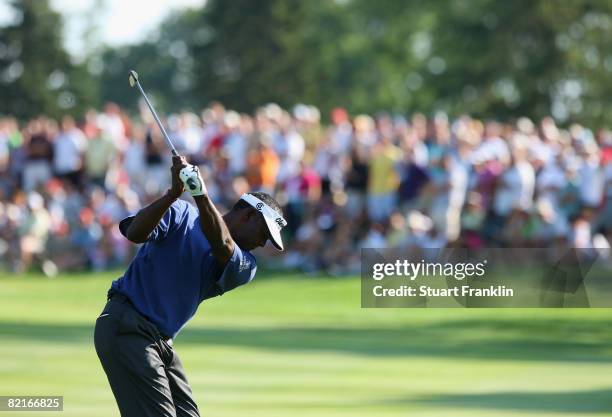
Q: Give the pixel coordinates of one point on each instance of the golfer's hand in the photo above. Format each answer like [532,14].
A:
[178,163]
[190,175]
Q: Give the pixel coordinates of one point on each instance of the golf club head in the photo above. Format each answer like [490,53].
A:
[133,78]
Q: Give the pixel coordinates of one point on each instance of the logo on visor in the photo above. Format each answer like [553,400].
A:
[280,221]
[259,206]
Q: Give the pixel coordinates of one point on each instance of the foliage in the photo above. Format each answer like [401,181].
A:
[163,63]
[486,57]
[517,58]
[36,74]
[256,52]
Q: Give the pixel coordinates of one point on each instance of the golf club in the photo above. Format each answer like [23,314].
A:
[133,79]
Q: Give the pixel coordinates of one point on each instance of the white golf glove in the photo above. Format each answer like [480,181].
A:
[190,175]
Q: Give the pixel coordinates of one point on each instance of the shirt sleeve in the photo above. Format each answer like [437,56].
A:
[169,222]
[239,270]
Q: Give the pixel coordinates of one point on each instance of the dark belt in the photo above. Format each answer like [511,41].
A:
[115,295]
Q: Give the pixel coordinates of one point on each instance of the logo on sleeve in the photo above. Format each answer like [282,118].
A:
[244,264]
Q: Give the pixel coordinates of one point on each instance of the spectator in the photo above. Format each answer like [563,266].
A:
[383,180]
[156,170]
[110,122]
[38,153]
[514,191]
[33,231]
[262,166]
[235,144]
[134,161]
[389,181]
[590,176]
[101,150]
[68,150]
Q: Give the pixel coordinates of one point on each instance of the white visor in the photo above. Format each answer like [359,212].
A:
[274,220]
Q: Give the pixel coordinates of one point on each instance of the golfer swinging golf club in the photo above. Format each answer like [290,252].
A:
[188,255]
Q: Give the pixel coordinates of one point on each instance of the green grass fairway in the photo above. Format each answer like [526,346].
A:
[298,346]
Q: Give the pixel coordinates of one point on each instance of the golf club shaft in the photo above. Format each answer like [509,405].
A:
[159,123]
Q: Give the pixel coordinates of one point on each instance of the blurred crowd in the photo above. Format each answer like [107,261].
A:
[359,181]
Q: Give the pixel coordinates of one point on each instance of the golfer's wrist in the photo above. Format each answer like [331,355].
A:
[171,195]
[201,198]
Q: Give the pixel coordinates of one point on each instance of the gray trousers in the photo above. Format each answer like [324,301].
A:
[144,371]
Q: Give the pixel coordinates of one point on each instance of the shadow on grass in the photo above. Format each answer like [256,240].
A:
[537,340]
[582,402]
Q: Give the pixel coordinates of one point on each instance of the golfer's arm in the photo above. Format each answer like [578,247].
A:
[147,218]
[214,228]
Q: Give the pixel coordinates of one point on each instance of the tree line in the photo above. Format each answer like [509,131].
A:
[488,58]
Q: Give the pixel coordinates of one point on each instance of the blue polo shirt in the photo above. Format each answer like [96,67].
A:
[175,270]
